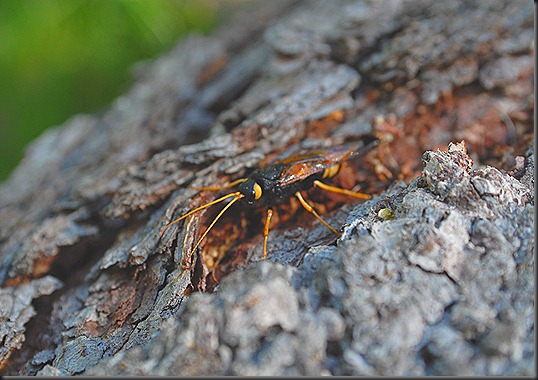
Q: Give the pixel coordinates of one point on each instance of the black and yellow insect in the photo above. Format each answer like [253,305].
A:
[279,181]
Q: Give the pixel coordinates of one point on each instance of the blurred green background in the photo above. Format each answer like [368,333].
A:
[63,57]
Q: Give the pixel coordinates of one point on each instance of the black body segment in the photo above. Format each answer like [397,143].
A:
[281,180]
[273,191]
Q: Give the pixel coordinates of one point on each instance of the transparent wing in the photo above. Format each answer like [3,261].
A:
[307,163]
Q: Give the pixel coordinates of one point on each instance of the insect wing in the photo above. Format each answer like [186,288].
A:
[306,164]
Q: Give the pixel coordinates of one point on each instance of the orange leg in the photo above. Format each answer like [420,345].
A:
[266,232]
[339,190]
[311,210]
[265,235]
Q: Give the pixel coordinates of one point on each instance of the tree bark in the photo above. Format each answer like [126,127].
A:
[433,275]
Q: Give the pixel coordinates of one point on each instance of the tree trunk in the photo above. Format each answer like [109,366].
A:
[433,275]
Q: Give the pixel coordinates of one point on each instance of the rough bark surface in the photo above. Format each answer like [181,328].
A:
[433,275]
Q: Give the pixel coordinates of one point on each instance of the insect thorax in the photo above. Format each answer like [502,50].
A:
[273,190]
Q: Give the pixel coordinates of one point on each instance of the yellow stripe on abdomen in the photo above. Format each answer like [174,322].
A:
[331,171]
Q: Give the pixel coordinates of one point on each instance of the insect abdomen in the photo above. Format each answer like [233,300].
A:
[331,171]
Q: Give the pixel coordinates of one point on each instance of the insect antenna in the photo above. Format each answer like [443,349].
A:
[237,195]
[217,188]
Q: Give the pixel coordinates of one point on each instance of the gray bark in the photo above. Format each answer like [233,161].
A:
[432,276]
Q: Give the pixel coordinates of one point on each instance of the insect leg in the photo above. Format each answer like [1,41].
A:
[311,210]
[266,232]
[341,191]
[216,188]
[238,196]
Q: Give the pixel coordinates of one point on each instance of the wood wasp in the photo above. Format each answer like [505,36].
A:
[280,180]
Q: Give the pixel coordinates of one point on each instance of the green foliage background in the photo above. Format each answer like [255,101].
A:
[63,57]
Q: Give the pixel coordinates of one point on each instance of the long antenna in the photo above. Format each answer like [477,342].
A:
[237,195]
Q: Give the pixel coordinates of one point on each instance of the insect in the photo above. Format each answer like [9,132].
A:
[279,181]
